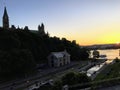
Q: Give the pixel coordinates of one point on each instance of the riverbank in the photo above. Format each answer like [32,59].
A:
[109,77]
[97,68]
[111,71]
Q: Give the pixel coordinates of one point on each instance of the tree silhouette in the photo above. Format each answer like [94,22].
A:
[28,48]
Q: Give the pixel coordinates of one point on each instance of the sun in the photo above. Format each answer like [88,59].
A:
[117,43]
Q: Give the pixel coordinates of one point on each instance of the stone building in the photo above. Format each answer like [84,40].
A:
[5,19]
[57,59]
[5,22]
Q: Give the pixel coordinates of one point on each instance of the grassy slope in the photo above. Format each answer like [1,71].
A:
[111,71]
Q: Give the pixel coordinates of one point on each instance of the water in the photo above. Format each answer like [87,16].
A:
[111,53]
[94,69]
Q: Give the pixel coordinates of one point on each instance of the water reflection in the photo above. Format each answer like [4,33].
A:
[110,53]
[94,69]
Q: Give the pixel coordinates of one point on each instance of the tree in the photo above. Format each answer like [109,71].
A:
[74,42]
[96,54]
[57,85]
[20,50]
[16,62]
[70,78]
[83,78]
[13,27]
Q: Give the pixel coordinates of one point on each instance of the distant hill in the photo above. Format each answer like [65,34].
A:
[103,46]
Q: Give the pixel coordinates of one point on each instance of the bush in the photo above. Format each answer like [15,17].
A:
[72,78]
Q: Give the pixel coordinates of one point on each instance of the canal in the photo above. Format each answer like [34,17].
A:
[111,54]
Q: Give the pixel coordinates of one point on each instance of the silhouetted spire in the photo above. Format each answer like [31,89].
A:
[41,29]
[5,12]
[42,26]
[5,19]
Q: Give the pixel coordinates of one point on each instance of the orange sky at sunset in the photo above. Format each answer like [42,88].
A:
[101,35]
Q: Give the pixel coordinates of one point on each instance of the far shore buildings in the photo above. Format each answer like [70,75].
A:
[58,59]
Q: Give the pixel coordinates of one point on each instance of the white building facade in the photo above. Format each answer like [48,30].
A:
[57,59]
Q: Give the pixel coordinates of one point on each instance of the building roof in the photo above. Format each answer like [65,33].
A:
[60,54]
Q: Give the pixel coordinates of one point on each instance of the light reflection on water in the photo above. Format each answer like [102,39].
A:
[110,53]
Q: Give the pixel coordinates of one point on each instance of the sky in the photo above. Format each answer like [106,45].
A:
[86,21]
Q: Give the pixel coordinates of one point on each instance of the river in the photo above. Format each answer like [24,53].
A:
[110,53]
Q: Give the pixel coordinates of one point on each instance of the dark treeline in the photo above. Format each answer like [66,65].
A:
[21,50]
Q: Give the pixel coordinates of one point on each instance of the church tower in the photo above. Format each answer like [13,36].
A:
[5,19]
[41,29]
